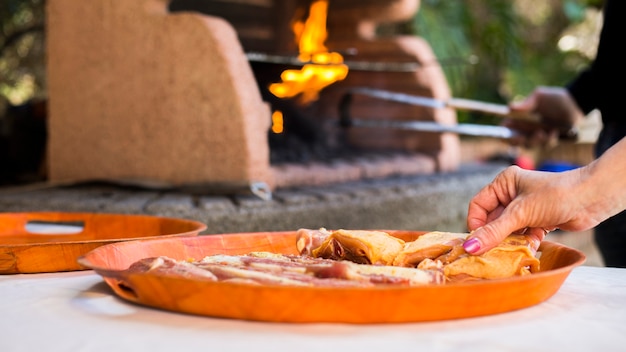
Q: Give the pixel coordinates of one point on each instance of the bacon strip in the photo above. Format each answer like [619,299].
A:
[167,266]
[277,269]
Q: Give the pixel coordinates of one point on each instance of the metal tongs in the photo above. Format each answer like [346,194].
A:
[479,130]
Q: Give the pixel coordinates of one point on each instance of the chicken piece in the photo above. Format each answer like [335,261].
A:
[431,245]
[516,255]
[360,246]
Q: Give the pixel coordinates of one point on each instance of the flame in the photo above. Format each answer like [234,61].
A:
[277,122]
[321,68]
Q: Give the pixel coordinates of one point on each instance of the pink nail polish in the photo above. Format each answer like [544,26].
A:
[472,245]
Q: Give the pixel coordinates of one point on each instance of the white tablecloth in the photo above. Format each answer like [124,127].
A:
[77,311]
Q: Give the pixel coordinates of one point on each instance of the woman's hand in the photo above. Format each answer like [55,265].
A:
[531,202]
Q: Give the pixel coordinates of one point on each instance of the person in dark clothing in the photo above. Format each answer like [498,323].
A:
[562,108]
[599,87]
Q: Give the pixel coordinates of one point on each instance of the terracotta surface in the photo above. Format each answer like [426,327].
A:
[426,81]
[352,28]
[24,250]
[302,305]
[141,95]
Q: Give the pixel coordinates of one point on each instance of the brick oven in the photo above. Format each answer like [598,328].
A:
[176,92]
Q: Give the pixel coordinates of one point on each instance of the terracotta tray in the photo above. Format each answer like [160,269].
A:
[52,241]
[300,305]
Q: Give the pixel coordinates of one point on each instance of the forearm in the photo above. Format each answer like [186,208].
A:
[603,182]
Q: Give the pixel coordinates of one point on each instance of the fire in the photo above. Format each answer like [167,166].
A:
[321,68]
[277,122]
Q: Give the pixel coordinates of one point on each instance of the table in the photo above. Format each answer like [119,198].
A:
[76,311]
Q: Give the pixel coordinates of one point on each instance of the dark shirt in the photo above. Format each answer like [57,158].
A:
[601,86]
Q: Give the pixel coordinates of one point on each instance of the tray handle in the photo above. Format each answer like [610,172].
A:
[123,289]
[54,227]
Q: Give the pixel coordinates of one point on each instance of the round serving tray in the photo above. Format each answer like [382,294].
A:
[316,304]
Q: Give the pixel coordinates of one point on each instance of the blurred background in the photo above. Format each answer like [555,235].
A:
[490,50]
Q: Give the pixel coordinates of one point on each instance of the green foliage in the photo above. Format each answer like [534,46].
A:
[495,50]
[439,23]
[22,67]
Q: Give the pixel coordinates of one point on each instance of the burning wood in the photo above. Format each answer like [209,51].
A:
[324,68]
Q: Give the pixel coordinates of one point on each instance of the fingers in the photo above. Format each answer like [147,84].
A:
[486,237]
[538,234]
[543,138]
[527,105]
[492,199]
[489,236]
[559,117]
[532,135]
[478,215]
[499,209]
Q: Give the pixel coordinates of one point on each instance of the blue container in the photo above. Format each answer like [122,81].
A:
[557,166]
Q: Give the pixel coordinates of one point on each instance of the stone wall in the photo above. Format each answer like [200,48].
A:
[422,202]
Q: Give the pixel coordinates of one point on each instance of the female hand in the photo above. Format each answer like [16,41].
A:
[532,202]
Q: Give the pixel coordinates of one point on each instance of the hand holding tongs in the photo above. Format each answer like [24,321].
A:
[429,126]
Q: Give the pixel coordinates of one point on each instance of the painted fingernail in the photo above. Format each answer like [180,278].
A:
[472,245]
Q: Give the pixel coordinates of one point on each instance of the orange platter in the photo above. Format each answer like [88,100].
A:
[41,242]
[316,304]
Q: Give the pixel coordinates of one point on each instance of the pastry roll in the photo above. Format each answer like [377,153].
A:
[359,246]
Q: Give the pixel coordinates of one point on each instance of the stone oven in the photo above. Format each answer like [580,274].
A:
[176,92]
